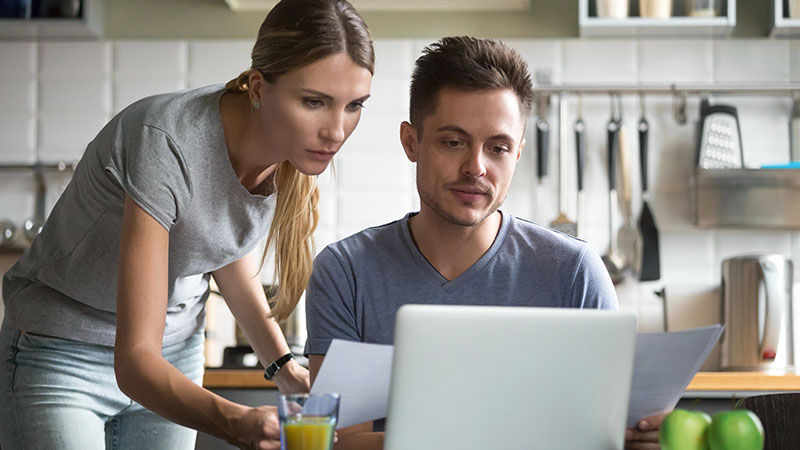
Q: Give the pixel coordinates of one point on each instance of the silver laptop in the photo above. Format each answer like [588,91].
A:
[505,378]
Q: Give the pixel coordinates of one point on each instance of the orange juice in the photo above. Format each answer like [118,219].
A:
[308,433]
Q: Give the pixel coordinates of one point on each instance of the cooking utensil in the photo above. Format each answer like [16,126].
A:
[720,144]
[614,263]
[580,157]
[562,223]
[7,233]
[33,226]
[650,260]
[542,149]
[757,313]
[794,130]
[628,239]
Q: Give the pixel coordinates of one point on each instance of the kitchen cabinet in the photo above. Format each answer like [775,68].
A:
[680,24]
[782,24]
[88,26]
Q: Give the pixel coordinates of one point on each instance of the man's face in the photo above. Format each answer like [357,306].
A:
[466,153]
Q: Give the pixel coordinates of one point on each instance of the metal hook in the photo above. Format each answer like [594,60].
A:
[580,105]
[641,104]
[678,106]
[619,107]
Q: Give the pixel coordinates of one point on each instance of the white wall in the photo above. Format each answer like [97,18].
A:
[54,96]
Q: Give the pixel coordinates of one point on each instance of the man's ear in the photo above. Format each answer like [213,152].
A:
[408,137]
[521,148]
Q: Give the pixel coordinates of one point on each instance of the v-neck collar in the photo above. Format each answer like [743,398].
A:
[432,275]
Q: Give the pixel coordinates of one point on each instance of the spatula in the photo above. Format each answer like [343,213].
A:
[562,223]
[651,261]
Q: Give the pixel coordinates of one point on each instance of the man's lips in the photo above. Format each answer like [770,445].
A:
[469,194]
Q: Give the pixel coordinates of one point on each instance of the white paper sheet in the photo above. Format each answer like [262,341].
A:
[664,365]
[360,373]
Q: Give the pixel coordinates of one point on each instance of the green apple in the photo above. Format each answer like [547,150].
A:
[739,429]
[684,430]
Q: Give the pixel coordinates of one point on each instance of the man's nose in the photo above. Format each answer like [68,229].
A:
[474,164]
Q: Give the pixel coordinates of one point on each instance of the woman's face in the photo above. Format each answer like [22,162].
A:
[308,113]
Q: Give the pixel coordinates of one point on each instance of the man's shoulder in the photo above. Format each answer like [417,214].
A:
[544,239]
[366,243]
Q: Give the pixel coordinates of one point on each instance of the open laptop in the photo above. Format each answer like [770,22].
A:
[506,378]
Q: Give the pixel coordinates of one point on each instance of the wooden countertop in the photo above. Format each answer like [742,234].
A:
[703,381]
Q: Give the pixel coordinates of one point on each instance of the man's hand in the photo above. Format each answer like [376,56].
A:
[257,429]
[644,436]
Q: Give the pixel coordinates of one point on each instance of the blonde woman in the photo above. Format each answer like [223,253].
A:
[101,345]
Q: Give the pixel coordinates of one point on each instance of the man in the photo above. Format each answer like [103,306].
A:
[469,102]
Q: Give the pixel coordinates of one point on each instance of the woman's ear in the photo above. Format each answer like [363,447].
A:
[408,137]
[255,82]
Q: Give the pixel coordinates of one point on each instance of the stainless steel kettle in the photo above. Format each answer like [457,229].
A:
[757,313]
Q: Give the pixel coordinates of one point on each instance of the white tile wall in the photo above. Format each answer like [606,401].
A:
[751,60]
[55,96]
[18,102]
[794,59]
[599,61]
[143,68]
[683,61]
[217,61]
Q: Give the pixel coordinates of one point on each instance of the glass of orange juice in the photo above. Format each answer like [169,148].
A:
[308,421]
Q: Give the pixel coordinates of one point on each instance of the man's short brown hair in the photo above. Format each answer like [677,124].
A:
[468,64]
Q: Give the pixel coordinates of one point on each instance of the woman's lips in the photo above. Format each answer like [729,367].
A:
[321,155]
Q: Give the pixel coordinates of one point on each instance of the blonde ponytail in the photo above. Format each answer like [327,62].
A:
[296,217]
[295,34]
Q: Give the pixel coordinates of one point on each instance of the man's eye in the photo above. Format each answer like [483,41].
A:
[452,143]
[500,149]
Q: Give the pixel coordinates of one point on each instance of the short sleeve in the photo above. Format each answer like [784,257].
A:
[152,171]
[330,304]
[592,287]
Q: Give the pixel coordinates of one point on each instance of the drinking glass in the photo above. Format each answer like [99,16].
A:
[308,421]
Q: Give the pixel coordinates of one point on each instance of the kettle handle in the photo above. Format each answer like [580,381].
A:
[775,300]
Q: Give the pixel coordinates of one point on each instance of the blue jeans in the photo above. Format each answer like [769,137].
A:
[62,394]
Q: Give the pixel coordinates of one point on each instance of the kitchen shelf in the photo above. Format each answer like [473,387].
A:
[746,198]
[782,25]
[677,26]
[88,26]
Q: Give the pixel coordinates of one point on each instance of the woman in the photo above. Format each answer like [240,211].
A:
[174,189]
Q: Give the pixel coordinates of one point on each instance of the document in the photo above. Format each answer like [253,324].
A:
[664,365]
[360,374]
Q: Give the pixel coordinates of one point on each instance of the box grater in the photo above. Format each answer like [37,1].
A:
[720,141]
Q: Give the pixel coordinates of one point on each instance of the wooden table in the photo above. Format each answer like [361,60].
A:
[703,381]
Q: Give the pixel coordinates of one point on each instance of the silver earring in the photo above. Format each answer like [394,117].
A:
[257,105]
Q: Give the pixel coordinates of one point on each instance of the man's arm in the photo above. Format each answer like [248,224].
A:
[356,437]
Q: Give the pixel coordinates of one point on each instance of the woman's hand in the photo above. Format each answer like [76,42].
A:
[257,429]
[292,378]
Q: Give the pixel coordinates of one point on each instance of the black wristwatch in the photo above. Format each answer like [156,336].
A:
[276,365]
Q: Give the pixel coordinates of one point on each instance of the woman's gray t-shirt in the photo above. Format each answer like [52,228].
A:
[168,153]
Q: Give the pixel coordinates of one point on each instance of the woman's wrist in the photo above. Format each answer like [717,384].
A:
[292,378]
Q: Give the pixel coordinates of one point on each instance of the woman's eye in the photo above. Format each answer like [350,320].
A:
[355,106]
[313,102]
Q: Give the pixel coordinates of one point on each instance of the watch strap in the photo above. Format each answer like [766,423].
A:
[276,365]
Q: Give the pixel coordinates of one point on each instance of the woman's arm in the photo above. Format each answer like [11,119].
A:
[142,373]
[240,286]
